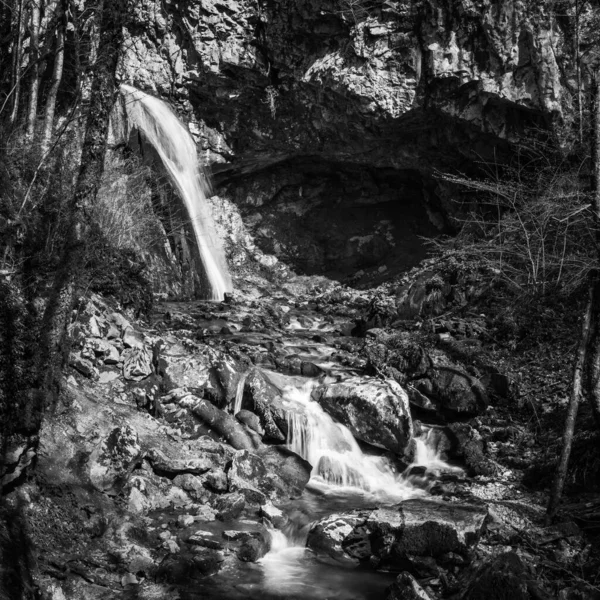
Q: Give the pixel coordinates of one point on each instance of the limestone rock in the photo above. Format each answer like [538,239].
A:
[454,390]
[137,363]
[112,462]
[392,536]
[230,506]
[376,412]
[280,477]
[267,404]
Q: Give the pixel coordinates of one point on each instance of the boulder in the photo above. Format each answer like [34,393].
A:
[189,372]
[232,431]
[266,402]
[183,569]
[391,537]
[375,411]
[230,506]
[454,391]
[137,363]
[163,464]
[342,538]
[113,461]
[254,545]
[251,420]
[273,475]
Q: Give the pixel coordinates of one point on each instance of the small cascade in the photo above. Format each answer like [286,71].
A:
[177,151]
[336,458]
[427,455]
[239,394]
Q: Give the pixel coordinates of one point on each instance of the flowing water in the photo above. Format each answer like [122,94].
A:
[177,151]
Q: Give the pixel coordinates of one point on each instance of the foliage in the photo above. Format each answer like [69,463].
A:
[531,227]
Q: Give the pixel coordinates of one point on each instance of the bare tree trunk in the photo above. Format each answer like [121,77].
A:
[561,471]
[61,298]
[56,79]
[595,342]
[34,66]
[17,63]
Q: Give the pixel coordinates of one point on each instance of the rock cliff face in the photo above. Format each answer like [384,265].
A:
[306,107]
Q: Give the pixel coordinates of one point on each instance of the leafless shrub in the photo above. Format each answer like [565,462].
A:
[532,226]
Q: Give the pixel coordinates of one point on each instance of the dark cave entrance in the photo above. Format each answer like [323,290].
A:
[353,223]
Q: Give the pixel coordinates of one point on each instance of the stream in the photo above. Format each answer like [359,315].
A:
[345,476]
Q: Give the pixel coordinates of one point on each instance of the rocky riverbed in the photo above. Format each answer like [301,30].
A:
[281,446]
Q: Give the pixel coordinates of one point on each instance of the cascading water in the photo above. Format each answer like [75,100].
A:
[334,454]
[177,151]
[239,394]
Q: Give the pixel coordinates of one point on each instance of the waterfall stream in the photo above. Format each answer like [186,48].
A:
[177,151]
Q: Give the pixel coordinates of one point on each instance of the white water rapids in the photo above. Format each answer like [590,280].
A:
[177,151]
[335,456]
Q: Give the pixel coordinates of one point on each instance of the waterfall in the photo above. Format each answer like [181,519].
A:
[427,455]
[239,394]
[334,454]
[177,151]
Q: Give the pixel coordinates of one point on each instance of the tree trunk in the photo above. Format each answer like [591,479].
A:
[17,60]
[34,65]
[561,471]
[102,99]
[595,342]
[56,79]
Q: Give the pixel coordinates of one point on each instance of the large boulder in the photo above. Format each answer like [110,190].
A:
[274,475]
[113,461]
[375,411]
[391,537]
[453,390]
[222,423]
[265,400]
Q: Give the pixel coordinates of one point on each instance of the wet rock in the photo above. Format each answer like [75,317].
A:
[275,515]
[251,420]
[330,536]
[113,461]
[254,545]
[206,540]
[221,422]
[375,411]
[137,363]
[267,404]
[392,537]
[230,506]
[183,569]
[274,474]
[290,472]
[162,463]
[406,587]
